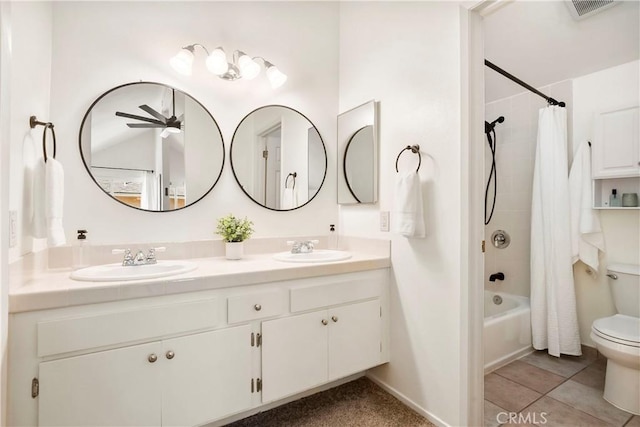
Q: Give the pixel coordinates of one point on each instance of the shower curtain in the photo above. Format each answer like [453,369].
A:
[554,321]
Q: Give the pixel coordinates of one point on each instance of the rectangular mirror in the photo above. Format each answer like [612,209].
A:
[358,154]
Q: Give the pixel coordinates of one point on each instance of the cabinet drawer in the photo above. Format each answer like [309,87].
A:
[80,333]
[324,295]
[256,305]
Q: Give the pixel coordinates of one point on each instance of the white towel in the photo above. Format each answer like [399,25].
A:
[289,198]
[586,235]
[408,217]
[39,218]
[54,202]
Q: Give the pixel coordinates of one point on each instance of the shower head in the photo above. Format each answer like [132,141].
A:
[488,127]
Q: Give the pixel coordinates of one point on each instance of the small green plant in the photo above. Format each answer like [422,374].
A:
[234,229]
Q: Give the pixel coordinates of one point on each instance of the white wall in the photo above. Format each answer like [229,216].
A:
[515,158]
[606,90]
[407,56]
[99,45]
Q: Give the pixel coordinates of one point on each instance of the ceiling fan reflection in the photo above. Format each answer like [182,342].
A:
[170,125]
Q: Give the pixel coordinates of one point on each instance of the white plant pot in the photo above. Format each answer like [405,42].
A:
[234,250]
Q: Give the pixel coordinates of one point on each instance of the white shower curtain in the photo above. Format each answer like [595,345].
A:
[554,321]
[150,189]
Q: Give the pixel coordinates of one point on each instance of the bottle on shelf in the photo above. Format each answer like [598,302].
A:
[614,199]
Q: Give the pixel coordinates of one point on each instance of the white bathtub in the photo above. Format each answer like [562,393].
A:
[507,329]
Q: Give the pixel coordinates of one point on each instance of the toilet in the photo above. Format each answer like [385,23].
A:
[618,339]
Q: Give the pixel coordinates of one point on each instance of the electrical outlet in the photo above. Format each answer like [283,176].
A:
[384,221]
[13,228]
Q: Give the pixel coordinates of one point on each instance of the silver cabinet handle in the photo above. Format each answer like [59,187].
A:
[152,358]
[325,322]
[170,355]
[257,307]
[334,318]
[613,276]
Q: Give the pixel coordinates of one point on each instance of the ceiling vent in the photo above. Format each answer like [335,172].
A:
[581,9]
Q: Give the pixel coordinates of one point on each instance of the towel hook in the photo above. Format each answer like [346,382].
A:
[286,181]
[33,122]
[414,149]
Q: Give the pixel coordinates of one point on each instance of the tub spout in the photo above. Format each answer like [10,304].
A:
[496,276]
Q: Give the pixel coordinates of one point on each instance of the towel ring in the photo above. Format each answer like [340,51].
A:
[33,122]
[414,149]
[286,181]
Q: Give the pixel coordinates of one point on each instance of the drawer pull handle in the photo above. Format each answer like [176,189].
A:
[334,318]
[170,354]
[325,322]
[152,358]
[258,307]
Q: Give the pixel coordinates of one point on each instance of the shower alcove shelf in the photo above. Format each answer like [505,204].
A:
[616,156]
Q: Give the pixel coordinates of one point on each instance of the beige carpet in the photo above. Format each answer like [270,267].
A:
[357,403]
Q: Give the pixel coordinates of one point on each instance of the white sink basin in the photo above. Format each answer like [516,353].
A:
[318,255]
[117,272]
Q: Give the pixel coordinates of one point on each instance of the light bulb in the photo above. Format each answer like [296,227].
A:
[217,62]
[183,61]
[275,76]
[249,68]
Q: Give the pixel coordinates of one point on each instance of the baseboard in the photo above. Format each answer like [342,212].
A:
[404,399]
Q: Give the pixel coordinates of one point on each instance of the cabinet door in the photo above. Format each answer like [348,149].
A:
[110,388]
[206,376]
[617,152]
[294,354]
[354,338]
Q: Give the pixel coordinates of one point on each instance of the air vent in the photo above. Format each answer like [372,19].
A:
[581,9]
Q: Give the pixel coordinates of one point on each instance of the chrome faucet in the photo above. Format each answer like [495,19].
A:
[140,258]
[302,247]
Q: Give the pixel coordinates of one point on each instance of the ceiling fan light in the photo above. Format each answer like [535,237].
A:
[182,62]
[217,62]
[249,68]
[275,76]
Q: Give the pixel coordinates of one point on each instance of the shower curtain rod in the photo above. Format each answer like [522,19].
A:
[123,169]
[513,78]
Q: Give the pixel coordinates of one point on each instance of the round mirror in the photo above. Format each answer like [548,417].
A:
[358,165]
[278,158]
[151,147]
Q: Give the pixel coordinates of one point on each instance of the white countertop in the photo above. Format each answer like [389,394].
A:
[54,288]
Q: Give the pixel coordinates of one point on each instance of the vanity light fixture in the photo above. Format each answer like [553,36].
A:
[242,66]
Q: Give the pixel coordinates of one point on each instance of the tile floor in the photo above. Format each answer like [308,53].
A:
[552,391]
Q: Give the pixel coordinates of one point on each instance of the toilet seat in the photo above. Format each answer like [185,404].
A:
[618,328]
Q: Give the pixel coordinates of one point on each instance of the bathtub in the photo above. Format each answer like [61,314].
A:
[507,329]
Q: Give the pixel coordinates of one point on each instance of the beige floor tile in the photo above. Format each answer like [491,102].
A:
[549,412]
[633,422]
[531,376]
[565,366]
[589,400]
[507,394]
[589,355]
[593,376]
[491,412]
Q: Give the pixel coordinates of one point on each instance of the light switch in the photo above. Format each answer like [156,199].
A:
[384,220]
[13,228]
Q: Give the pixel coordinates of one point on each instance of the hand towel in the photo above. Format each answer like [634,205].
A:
[54,202]
[586,235]
[408,217]
[289,198]
[39,218]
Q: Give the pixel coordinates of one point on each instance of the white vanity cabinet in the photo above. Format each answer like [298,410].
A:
[197,357]
[306,350]
[616,148]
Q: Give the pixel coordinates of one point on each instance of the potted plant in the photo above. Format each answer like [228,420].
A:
[234,232]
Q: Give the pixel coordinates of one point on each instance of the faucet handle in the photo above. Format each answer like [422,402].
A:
[159,249]
[314,242]
[120,251]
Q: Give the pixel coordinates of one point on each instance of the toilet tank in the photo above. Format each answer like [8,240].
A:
[624,280]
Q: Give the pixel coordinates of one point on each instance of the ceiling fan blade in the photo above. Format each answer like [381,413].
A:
[165,133]
[144,119]
[152,112]
[145,125]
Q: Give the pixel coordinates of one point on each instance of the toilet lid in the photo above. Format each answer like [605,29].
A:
[619,328]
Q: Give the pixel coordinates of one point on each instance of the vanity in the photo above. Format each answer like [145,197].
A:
[228,338]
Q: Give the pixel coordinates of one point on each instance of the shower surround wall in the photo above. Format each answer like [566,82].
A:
[515,158]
